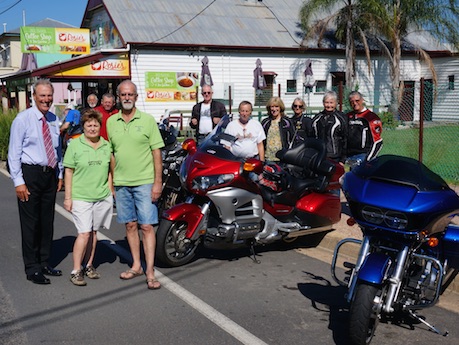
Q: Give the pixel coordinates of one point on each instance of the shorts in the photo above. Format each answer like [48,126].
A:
[92,216]
[133,204]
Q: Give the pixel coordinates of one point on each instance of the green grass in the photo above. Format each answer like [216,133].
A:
[5,125]
[441,144]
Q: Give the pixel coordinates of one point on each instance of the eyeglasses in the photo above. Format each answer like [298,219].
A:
[127,94]
[298,106]
[206,93]
[355,101]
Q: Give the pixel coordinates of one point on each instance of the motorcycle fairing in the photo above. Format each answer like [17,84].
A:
[451,245]
[374,268]
[189,213]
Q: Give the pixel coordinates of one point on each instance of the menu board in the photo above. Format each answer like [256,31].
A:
[171,86]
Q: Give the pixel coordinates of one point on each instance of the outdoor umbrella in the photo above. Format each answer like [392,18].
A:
[28,63]
[206,78]
[309,80]
[259,82]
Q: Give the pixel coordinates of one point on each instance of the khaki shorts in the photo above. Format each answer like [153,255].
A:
[89,216]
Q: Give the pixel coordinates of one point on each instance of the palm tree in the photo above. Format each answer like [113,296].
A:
[318,17]
[395,19]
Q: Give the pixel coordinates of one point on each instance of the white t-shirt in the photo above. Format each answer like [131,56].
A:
[205,120]
[249,136]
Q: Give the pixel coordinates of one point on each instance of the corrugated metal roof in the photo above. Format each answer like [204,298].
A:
[237,23]
[46,23]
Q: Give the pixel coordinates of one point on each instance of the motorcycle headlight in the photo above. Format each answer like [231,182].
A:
[392,219]
[395,220]
[204,183]
[373,215]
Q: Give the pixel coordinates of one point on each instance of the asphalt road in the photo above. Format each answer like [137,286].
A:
[220,298]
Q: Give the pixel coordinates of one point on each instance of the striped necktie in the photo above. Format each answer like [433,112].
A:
[48,144]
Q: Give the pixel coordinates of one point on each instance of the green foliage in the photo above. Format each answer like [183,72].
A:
[388,120]
[5,125]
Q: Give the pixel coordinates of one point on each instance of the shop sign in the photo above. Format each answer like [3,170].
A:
[54,40]
[106,67]
[171,86]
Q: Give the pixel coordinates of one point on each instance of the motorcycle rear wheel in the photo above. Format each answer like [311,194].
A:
[364,314]
[172,248]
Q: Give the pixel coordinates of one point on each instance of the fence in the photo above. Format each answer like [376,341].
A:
[435,139]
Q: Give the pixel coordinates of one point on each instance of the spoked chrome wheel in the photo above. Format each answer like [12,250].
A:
[365,313]
[172,247]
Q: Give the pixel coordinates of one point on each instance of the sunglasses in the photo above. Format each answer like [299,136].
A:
[298,106]
[206,93]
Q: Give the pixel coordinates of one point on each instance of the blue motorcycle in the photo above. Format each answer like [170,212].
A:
[410,249]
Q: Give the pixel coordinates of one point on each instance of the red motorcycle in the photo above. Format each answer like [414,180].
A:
[234,202]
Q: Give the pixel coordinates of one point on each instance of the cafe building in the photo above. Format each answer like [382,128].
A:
[169,49]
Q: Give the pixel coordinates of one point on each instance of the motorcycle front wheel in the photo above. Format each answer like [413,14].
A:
[172,248]
[364,313]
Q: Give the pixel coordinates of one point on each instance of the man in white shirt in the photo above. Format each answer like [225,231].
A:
[249,134]
[206,114]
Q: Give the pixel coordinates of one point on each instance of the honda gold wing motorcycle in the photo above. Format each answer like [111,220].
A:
[228,206]
[410,249]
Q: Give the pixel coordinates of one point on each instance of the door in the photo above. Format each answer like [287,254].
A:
[406,109]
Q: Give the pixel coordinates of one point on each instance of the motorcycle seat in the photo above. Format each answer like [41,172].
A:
[310,156]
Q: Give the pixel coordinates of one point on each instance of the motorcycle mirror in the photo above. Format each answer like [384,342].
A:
[253,165]
[189,145]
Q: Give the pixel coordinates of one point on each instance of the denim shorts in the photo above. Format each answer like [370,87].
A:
[133,204]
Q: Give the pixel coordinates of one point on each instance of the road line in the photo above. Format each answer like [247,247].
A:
[225,323]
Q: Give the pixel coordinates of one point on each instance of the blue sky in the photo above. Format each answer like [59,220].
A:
[69,12]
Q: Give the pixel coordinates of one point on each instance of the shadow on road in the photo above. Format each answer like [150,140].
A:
[329,299]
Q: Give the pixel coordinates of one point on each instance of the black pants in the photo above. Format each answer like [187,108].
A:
[37,216]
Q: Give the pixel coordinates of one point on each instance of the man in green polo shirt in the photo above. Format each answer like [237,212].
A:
[137,176]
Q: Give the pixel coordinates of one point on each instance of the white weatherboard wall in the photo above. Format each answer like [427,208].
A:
[237,69]
[447,102]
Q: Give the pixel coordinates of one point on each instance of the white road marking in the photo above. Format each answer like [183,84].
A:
[228,325]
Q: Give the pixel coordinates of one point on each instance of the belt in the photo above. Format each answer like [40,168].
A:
[43,168]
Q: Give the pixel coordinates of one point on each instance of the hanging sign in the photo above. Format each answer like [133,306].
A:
[54,40]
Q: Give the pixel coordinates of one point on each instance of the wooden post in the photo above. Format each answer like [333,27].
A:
[421,120]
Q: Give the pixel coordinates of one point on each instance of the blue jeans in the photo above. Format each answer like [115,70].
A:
[133,204]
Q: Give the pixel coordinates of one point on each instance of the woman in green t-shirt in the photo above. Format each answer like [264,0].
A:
[88,193]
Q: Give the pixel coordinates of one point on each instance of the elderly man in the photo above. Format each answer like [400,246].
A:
[107,109]
[206,114]
[137,176]
[365,128]
[35,163]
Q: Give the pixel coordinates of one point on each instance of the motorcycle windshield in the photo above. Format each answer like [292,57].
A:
[401,170]
[216,139]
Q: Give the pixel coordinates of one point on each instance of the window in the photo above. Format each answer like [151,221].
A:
[291,85]
[451,82]
[321,86]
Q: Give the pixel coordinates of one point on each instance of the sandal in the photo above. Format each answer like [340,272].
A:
[130,273]
[153,284]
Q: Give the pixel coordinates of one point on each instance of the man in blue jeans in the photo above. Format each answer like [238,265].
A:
[137,176]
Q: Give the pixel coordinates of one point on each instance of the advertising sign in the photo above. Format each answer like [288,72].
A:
[171,86]
[54,40]
[114,66]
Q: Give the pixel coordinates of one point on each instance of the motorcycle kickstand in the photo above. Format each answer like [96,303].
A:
[431,327]
[253,254]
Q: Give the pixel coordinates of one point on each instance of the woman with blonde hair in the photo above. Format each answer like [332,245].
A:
[278,128]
